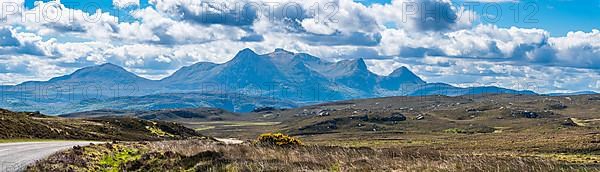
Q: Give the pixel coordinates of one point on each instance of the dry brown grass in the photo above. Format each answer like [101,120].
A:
[208,155]
[316,158]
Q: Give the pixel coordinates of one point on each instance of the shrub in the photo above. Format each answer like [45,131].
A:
[277,139]
[455,131]
[470,130]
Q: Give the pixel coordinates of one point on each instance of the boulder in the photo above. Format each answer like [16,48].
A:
[557,106]
[395,117]
[526,114]
[392,118]
[594,98]
[323,113]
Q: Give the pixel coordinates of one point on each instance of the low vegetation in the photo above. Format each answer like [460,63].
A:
[470,130]
[101,157]
[207,155]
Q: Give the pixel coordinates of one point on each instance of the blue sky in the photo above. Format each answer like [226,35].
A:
[556,16]
[558,50]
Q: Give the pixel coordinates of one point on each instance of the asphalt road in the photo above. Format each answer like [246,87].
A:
[16,156]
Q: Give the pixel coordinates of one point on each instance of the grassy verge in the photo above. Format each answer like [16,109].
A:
[108,157]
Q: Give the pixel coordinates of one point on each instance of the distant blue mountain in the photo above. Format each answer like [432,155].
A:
[572,93]
[249,80]
[102,74]
[399,77]
[287,75]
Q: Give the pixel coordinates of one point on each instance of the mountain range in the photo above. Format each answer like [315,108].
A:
[281,79]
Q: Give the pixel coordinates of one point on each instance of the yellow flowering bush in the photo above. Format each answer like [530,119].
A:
[277,139]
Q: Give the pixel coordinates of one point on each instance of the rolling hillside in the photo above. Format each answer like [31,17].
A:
[393,117]
[191,114]
[24,125]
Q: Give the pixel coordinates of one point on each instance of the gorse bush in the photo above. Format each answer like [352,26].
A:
[277,139]
[456,131]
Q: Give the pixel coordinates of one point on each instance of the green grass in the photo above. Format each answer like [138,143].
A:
[455,131]
[159,132]
[202,128]
[120,157]
[233,129]
[234,123]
